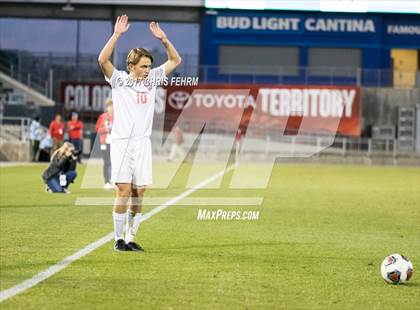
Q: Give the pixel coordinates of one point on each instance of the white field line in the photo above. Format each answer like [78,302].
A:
[45,274]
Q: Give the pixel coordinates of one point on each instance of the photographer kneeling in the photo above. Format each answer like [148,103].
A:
[62,169]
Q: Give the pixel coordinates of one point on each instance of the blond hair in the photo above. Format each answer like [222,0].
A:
[67,146]
[108,101]
[135,54]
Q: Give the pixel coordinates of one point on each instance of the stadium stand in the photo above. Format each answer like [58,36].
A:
[33,82]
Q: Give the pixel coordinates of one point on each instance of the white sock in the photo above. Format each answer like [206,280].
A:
[132,229]
[118,225]
[129,221]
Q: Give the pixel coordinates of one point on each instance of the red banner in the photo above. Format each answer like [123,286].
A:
[324,108]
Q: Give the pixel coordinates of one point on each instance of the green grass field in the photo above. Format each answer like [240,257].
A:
[321,236]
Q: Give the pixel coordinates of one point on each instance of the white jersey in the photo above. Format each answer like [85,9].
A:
[133,104]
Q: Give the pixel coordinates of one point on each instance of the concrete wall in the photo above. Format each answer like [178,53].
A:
[380,105]
[15,151]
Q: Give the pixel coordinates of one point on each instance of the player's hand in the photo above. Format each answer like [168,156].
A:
[121,25]
[156,31]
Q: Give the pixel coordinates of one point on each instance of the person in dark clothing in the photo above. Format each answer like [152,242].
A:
[62,169]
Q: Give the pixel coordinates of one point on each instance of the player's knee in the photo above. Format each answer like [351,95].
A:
[124,190]
[140,191]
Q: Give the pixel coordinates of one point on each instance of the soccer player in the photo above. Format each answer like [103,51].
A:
[134,103]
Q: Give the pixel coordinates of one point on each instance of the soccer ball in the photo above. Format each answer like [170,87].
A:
[396,269]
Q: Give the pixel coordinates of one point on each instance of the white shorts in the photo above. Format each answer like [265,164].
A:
[131,161]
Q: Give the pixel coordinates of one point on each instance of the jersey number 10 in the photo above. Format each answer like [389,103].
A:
[141,98]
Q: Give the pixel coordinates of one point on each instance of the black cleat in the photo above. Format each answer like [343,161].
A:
[119,245]
[132,246]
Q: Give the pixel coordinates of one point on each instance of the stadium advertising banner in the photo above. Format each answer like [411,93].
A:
[325,24]
[275,105]
[293,24]
[84,97]
[360,6]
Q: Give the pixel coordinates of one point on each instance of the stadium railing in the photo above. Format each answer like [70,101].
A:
[294,146]
[266,141]
[27,77]
[14,128]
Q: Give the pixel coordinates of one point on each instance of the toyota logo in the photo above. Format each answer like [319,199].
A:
[179,100]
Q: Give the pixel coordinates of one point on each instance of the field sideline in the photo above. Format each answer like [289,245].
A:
[322,233]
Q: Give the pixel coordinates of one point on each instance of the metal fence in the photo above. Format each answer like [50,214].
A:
[297,146]
[267,144]
[267,140]
[14,128]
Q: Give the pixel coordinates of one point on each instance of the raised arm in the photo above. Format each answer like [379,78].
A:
[173,57]
[121,26]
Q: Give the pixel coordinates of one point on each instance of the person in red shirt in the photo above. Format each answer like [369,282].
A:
[103,128]
[56,130]
[75,131]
